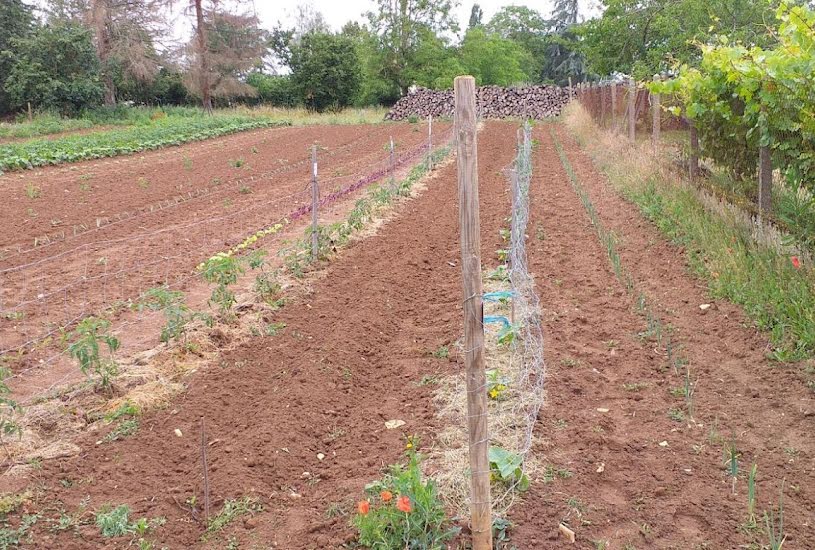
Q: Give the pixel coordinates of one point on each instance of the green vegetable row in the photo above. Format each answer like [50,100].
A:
[163,133]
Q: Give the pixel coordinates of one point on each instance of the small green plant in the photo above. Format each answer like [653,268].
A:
[443,352]
[500,533]
[413,119]
[113,522]
[8,407]
[222,270]
[508,334]
[126,428]
[232,509]
[144,183]
[273,329]
[635,386]
[237,163]
[176,312]
[731,461]
[676,415]
[403,511]
[751,497]
[187,163]
[32,191]
[11,537]
[85,348]
[245,190]
[496,384]
[500,273]
[774,524]
[507,467]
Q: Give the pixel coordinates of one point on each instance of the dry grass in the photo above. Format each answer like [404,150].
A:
[299,116]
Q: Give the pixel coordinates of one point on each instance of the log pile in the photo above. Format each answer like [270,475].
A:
[493,102]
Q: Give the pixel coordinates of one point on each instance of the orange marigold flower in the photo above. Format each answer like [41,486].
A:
[796,263]
[403,504]
[364,507]
[386,496]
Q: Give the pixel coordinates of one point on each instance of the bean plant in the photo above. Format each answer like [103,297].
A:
[86,349]
[223,270]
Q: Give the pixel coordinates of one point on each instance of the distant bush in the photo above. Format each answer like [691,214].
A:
[276,90]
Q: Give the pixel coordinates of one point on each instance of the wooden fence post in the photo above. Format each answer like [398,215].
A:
[632,110]
[470,226]
[693,161]
[570,87]
[657,119]
[315,199]
[765,180]
[602,105]
[613,106]
[429,143]
[30,113]
[390,167]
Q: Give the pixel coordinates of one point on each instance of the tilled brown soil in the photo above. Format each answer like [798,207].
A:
[609,391]
[356,347]
[351,358]
[149,219]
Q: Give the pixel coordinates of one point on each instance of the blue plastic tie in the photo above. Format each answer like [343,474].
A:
[497,319]
[498,295]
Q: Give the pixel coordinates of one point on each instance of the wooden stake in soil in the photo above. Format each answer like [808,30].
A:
[315,199]
[470,226]
[204,467]
[632,106]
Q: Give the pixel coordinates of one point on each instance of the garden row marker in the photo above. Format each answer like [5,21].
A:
[315,199]
[470,227]
[632,112]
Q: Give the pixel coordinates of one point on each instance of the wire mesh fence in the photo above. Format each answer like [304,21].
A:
[46,289]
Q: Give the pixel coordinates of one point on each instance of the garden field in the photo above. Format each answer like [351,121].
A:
[659,398]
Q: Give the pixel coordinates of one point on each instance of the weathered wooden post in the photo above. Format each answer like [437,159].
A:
[656,120]
[467,160]
[570,87]
[429,143]
[693,160]
[632,110]
[613,106]
[315,199]
[765,180]
[391,167]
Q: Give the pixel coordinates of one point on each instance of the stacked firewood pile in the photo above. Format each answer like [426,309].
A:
[493,102]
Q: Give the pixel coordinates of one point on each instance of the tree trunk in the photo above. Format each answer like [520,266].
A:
[206,98]
[101,28]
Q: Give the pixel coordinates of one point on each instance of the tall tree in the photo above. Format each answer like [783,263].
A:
[492,59]
[55,68]
[529,29]
[565,14]
[397,23]
[123,34]
[326,70]
[563,56]
[476,14]
[16,21]
[233,45]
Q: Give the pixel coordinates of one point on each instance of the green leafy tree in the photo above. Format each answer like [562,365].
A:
[16,21]
[492,59]
[326,71]
[398,24]
[54,68]
[645,37]
[563,56]
[375,87]
[278,90]
[435,64]
[525,27]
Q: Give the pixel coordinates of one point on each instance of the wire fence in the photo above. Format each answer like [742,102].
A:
[38,305]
